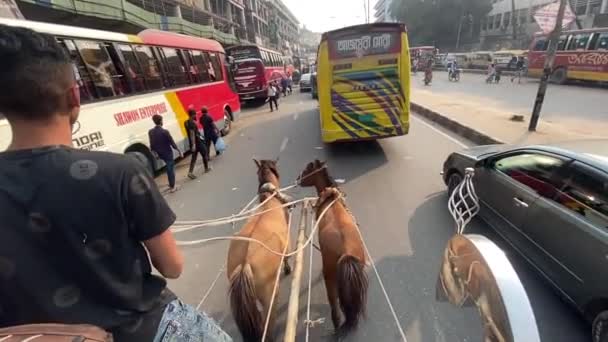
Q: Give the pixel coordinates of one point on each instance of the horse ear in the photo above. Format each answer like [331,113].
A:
[257,163]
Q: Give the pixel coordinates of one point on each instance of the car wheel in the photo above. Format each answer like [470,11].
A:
[146,162]
[599,330]
[453,181]
[227,123]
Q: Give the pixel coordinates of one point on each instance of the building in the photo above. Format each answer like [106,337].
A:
[228,21]
[383,13]
[497,28]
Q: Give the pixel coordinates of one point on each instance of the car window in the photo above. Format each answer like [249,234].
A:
[536,171]
[585,192]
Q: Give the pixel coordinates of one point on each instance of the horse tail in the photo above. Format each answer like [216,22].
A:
[352,292]
[243,303]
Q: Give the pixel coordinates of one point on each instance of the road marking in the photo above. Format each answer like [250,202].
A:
[454,140]
[284,144]
[295,117]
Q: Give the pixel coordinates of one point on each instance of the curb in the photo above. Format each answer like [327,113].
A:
[466,132]
[478,71]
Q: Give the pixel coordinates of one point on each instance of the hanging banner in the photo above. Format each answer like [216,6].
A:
[546,17]
[9,9]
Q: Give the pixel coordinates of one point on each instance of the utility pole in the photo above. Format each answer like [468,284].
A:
[513,20]
[542,87]
[459,32]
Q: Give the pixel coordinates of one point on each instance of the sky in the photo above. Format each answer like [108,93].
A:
[327,15]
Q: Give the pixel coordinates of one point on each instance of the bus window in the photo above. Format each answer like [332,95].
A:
[602,42]
[150,67]
[563,41]
[133,68]
[187,63]
[540,45]
[99,64]
[579,41]
[199,61]
[216,65]
[83,78]
[175,68]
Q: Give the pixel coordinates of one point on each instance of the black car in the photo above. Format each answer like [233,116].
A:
[550,202]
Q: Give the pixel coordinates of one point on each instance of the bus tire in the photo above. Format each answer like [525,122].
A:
[599,328]
[144,160]
[559,76]
[227,122]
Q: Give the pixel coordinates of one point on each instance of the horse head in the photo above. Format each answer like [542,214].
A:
[267,173]
[315,174]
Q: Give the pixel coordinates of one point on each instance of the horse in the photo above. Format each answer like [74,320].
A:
[251,269]
[342,251]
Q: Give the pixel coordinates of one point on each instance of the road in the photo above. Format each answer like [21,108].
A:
[562,101]
[395,191]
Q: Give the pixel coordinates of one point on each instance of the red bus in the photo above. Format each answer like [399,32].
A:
[124,80]
[581,55]
[255,68]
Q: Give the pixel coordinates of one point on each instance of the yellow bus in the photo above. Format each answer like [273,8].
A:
[363,80]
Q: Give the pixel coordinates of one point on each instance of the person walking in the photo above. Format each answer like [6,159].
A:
[81,230]
[272,96]
[519,70]
[162,143]
[197,144]
[284,85]
[210,130]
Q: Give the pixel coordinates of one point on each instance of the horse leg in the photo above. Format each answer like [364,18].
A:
[331,286]
[265,299]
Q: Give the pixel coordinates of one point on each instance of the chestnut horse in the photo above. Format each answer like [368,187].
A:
[342,251]
[252,269]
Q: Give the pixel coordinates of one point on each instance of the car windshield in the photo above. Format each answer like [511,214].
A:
[305,77]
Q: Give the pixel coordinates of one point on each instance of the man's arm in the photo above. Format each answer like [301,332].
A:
[150,217]
[165,255]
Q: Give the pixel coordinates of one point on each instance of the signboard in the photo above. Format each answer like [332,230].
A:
[364,44]
[546,17]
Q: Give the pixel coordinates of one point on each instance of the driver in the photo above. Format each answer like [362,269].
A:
[76,227]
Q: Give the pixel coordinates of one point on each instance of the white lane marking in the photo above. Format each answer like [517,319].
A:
[454,140]
[295,117]
[284,144]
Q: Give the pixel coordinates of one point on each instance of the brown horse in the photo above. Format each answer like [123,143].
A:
[251,269]
[342,251]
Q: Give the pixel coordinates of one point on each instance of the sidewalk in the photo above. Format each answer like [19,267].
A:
[490,120]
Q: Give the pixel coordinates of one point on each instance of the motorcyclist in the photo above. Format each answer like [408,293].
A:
[453,68]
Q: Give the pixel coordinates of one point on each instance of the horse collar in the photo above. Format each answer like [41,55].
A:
[267,188]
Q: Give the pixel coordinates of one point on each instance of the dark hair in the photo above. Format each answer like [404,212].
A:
[35,74]
[158,119]
[204,110]
[191,112]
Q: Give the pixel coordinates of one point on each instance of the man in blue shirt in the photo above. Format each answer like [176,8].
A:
[162,143]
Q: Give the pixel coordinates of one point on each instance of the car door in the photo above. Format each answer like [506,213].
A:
[509,184]
[571,231]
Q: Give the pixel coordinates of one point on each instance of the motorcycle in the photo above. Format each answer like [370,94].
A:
[428,76]
[454,75]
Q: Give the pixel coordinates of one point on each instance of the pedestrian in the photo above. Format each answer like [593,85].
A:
[196,142]
[210,130]
[491,73]
[284,84]
[519,70]
[272,96]
[290,85]
[77,246]
[162,143]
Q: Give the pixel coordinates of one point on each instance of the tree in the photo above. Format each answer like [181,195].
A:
[436,22]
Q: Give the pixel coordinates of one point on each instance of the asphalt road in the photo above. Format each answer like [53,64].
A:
[562,101]
[395,191]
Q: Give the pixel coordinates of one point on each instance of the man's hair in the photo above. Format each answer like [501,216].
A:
[204,110]
[35,74]
[191,112]
[158,119]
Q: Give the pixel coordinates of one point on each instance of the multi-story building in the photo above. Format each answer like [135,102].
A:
[227,21]
[497,28]
[383,13]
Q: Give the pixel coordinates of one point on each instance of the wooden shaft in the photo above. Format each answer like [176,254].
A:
[294,296]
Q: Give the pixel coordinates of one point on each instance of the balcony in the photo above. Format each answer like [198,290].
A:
[131,16]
